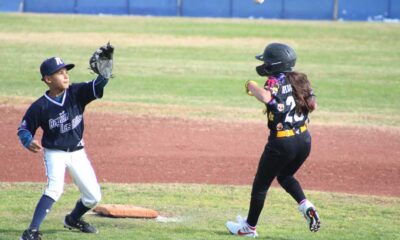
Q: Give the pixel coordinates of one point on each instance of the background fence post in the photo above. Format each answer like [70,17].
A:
[230,8]
[179,8]
[21,6]
[335,10]
[76,6]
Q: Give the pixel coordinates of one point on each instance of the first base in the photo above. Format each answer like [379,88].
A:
[124,211]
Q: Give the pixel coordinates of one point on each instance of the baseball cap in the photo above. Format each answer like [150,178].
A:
[52,65]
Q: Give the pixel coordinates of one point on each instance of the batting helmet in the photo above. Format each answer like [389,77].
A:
[277,58]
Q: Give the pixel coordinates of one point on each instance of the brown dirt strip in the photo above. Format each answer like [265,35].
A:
[130,149]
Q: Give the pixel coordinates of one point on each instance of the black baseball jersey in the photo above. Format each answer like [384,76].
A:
[281,110]
[62,122]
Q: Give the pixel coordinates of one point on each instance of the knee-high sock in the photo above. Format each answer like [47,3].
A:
[42,208]
[79,210]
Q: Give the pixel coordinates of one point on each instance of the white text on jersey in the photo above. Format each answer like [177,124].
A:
[286,89]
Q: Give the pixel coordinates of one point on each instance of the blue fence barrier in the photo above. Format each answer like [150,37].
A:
[153,7]
[246,9]
[363,9]
[117,7]
[212,8]
[360,10]
[308,9]
[46,6]
[394,9]
[10,6]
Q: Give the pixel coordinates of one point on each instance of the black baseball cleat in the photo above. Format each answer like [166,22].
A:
[31,234]
[79,224]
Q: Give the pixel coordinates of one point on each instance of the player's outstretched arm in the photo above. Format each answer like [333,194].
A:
[261,94]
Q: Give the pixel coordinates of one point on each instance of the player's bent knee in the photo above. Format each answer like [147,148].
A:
[53,194]
[259,195]
[92,201]
[285,180]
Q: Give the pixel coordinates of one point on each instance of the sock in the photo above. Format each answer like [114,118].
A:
[302,201]
[79,210]
[42,208]
[251,227]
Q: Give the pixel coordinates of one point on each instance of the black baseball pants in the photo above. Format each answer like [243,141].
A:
[282,157]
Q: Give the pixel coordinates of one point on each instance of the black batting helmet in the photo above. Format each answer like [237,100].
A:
[277,58]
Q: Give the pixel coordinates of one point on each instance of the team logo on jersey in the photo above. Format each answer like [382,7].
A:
[272,84]
[274,89]
[271,81]
[270,116]
[57,122]
[63,122]
[280,107]
[76,121]
[279,126]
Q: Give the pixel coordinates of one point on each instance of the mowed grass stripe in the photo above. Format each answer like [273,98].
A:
[203,63]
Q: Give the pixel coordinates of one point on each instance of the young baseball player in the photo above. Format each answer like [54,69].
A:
[59,112]
[289,99]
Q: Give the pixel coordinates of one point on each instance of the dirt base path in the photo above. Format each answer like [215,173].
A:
[127,149]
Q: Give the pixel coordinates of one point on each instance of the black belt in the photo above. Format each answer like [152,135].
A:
[71,149]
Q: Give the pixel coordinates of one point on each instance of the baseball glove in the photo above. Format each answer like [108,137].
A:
[101,61]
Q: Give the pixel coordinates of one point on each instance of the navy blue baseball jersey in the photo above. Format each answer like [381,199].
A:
[62,122]
[281,110]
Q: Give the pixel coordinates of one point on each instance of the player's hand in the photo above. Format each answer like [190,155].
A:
[35,146]
[252,89]
[246,86]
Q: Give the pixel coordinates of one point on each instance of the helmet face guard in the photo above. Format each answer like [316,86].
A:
[261,70]
[277,58]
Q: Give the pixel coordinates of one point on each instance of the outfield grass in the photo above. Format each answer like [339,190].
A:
[196,68]
[200,65]
[200,212]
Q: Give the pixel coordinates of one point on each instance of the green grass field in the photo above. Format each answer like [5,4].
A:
[196,68]
[200,212]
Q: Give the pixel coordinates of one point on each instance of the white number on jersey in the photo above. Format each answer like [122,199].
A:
[292,103]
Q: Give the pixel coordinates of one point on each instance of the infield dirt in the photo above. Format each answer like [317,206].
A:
[131,149]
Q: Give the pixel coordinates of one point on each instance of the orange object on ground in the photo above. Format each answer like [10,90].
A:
[121,211]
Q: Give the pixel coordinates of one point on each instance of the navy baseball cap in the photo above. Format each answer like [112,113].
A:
[52,65]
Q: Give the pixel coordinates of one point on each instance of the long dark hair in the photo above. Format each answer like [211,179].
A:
[302,92]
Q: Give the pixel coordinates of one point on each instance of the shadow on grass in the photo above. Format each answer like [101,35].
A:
[226,233]
[18,233]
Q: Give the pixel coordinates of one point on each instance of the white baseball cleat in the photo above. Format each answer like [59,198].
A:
[310,214]
[241,228]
